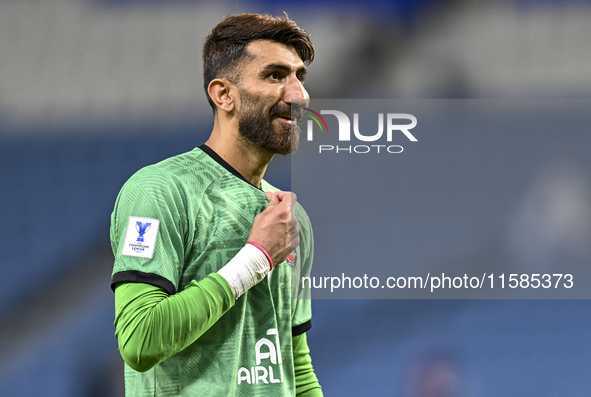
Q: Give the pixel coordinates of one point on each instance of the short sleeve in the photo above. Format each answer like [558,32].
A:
[302,314]
[148,226]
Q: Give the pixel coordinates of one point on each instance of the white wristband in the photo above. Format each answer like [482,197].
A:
[245,270]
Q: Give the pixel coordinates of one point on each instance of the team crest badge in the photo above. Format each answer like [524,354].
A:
[291,259]
[142,228]
[140,237]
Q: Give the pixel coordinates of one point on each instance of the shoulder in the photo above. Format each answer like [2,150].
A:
[303,219]
[188,172]
[191,164]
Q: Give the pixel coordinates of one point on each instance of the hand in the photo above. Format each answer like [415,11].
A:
[276,228]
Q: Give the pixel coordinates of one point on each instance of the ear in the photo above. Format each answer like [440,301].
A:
[220,93]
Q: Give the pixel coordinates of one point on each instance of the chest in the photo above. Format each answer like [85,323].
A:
[220,227]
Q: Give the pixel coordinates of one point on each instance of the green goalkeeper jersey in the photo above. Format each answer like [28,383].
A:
[183,219]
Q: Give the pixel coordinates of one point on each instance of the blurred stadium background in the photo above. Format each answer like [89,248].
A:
[92,90]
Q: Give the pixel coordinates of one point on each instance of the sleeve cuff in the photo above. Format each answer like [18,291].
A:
[300,329]
[223,284]
[134,276]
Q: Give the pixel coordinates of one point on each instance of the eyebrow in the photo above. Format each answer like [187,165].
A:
[279,66]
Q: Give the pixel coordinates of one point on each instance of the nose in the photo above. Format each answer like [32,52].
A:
[296,93]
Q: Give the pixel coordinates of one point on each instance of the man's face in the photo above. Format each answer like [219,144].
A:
[271,81]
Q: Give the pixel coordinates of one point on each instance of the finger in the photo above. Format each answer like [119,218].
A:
[282,196]
[272,198]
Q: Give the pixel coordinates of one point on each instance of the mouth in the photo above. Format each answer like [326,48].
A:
[287,120]
[291,119]
[286,114]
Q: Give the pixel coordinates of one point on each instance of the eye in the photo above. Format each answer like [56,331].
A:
[301,77]
[275,76]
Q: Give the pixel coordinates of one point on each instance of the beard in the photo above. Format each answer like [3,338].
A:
[257,127]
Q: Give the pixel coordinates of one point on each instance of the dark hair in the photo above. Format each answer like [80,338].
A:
[223,51]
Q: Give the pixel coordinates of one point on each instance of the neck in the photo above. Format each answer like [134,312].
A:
[244,156]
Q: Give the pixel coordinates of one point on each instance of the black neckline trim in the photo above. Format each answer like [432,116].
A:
[218,159]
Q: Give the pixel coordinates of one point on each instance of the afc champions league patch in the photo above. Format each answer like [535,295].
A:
[292,258]
[140,237]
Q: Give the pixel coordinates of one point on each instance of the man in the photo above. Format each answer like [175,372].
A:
[204,247]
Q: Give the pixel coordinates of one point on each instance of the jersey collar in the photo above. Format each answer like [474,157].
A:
[218,159]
